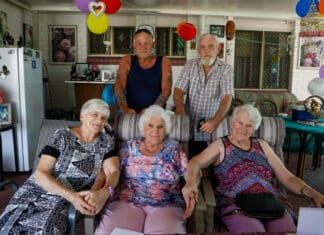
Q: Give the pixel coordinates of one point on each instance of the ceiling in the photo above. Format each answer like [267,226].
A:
[282,9]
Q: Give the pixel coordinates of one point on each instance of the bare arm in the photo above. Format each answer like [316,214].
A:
[289,180]
[178,100]
[120,85]
[213,154]
[211,124]
[166,82]
[109,177]
[44,178]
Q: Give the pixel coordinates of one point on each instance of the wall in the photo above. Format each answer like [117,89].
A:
[61,95]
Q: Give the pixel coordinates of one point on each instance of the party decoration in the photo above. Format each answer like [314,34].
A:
[97,8]
[321,72]
[187,31]
[97,24]
[302,7]
[321,7]
[112,6]
[108,94]
[230,29]
[82,5]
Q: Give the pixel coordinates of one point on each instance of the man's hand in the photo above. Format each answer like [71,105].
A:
[190,195]
[208,126]
[127,110]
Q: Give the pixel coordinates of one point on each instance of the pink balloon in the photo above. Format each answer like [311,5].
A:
[321,72]
[83,4]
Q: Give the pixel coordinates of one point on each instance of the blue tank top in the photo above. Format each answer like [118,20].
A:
[143,85]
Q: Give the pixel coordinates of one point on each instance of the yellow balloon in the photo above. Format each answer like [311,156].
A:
[98,24]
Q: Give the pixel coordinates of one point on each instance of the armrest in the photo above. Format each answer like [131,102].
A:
[208,192]
[201,205]
[11,184]
[72,218]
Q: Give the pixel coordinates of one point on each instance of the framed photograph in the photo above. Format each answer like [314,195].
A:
[123,40]
[5,114]
[217,30]
[107,75]
[311,51]
[3,25]
[80,70]
[63,44]
[28,35]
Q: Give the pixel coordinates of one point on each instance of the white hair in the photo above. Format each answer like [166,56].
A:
[154,111]
[97,105]
[252,111]
[208,35]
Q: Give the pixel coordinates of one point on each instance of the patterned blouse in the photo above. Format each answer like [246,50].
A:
[243,171]
[152,180]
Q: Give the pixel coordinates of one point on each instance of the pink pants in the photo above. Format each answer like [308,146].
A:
[147,219]
[239,223]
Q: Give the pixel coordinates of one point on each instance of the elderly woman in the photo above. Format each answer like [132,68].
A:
[244,164]
[149,199]
[69,165]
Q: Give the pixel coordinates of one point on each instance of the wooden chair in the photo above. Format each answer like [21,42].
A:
[267,107]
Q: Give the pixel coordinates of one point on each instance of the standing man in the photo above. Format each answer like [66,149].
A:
[209,89]
[143,79]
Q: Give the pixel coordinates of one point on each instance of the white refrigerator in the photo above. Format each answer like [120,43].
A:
[23,88]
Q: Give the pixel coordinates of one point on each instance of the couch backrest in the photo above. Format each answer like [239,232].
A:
[126,127]
[47,130]
[272,130]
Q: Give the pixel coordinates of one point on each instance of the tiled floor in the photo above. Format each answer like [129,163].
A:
[314,178]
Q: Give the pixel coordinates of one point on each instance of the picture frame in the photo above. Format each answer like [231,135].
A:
[5,114]
[107,75]
[311,51]
[3,25]
[28,35]
[63,44]
[217,30]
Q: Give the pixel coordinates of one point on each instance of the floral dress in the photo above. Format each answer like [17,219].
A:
[152,180]
[33,210]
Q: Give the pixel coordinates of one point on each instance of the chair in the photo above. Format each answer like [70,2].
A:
[267,107]
[272,130]
[235,102]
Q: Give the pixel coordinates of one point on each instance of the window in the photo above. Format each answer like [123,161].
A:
[262,60]
[116,41]
[168,42]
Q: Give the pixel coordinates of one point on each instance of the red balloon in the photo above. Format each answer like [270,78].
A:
[186,31]
[112,6]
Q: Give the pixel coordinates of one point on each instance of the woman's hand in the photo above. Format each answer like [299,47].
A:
[190,195]
[96,198]
[318,199]
[80,204]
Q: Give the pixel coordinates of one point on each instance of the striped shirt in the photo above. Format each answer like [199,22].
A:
[203,96]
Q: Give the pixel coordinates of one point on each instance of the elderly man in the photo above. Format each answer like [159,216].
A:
[143,79]
[208,85]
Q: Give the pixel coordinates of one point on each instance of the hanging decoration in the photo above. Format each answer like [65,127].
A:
[303,7]
[112,6]
[97,20]
[230,30]
[83,5]
[187,31]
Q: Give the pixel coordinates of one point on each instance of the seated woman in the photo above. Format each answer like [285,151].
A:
[67,168]
[244,164]
[149,199]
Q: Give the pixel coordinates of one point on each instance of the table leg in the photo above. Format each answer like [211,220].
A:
[301,155]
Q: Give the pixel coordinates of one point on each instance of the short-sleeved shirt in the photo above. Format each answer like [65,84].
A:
[203,96]
[152,180]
